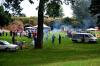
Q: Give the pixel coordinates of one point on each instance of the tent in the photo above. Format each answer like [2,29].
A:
[92,29]
[44,26]
[29,27]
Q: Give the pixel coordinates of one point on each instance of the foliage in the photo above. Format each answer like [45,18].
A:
[67,20]
[54,9]
[26,20]
[14,6]
[71,21]
[80,9]
[95,7]
[95,10]
[5,17]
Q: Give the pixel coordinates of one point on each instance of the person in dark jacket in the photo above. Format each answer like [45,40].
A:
[53,39]
[59,38]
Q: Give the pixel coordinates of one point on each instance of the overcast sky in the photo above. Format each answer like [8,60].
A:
[30,9]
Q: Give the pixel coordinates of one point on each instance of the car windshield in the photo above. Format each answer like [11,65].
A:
[5,42]
[90,35]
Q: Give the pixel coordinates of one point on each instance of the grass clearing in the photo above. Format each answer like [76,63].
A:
[65,54]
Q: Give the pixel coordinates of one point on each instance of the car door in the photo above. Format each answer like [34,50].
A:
[86,38]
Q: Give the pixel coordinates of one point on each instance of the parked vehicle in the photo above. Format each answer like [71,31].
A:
[4,45]
[84,37]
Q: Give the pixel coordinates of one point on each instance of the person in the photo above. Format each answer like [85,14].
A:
[35,37]
[11,33]
[6,33]
[59,38]
[53,39]
[29,34]
[47,36]
[21,45]
[13,38]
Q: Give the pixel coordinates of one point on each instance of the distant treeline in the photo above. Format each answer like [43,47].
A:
[47,20]
[26,20]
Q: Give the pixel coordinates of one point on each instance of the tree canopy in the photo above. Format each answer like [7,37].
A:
[95,7]
[5,17]
[54,9]
[14,6]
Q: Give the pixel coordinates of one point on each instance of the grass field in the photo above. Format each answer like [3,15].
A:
[65,54]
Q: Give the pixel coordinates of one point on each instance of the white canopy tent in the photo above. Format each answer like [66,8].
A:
[44,26]
[29,27]
[92,29]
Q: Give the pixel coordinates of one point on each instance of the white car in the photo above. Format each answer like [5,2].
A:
[84,37]
[4,45]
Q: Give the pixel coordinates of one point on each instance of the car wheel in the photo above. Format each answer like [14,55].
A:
[75,41]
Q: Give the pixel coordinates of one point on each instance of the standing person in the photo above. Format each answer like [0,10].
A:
[35,37]
[59,38]
[13,37]
[6,33]
[47,36]
[53,39]
[10,33]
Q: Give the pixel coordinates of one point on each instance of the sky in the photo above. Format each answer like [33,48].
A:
[30,9]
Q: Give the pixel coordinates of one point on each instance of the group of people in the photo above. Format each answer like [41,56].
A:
[53,39]
[34,34]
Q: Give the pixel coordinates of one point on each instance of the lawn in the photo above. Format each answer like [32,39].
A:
[65,54]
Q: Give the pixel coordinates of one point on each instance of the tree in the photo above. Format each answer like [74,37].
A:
[67,20]
[14,6]
[80,9]
[5,17]
[54,9]
[95,7]
[81,12]
[95,10]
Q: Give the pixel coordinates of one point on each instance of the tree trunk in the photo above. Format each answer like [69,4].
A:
[39,41]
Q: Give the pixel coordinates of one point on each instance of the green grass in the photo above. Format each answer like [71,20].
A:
[65,54]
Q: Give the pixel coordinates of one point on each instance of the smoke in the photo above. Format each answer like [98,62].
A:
[87,22]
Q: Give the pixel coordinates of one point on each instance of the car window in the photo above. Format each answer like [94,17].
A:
[6,42]
[1,43]
[80,35]
[90,35]
[86,36]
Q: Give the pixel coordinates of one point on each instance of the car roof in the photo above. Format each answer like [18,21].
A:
[83,33]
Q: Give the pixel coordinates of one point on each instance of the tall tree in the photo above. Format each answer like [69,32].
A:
[95,10]
[81,12]
[5,17]
[80,8]
[54,9]
[14,6]
[95,7]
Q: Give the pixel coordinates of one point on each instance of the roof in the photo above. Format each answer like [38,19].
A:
[45,26]
[83,33]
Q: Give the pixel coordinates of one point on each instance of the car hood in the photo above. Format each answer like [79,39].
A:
[12,45]
[94,37]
